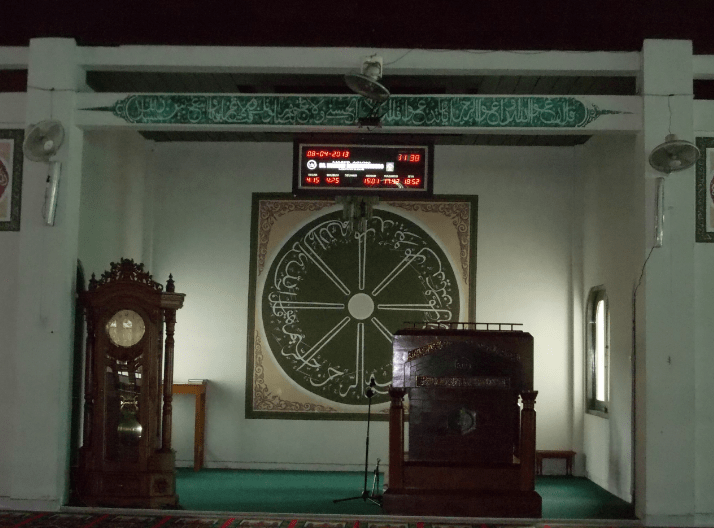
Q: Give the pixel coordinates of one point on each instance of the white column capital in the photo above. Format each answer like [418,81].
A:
[53,63]
[667,67]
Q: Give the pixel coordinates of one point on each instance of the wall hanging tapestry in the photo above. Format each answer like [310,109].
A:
[325,300]
[10,178]
[705,190]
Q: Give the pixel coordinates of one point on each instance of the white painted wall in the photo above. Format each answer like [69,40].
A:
[202,219]
[12,115]
[613,209]
[116,203]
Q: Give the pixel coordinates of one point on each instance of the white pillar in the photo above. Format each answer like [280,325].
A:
[47,264]
[665,444]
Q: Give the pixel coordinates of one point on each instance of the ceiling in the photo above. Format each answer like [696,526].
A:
[456,24]
[170,82]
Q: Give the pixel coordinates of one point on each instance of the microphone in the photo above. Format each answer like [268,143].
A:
[369,392]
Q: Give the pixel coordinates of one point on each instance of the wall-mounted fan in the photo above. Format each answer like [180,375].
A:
[366,83]
[42,141]
[673,155]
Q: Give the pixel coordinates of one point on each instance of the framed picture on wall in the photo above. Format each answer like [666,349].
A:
[325,299]
[705,190]
[10,178]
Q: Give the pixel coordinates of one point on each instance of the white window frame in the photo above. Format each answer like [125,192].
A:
[597,352]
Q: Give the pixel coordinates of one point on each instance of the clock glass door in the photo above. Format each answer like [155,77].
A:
[123,382]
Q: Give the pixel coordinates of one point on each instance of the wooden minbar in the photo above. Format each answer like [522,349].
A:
[471,448]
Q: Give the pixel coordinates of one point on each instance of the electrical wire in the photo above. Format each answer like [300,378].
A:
[52,89]
[400,58]
[488,52]
[642,273]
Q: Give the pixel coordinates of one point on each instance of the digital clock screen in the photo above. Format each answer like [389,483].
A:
[362,169]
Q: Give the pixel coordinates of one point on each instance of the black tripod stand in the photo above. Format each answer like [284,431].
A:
[367,495]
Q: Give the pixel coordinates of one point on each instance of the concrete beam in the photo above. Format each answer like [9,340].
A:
[343,60]
[14,58]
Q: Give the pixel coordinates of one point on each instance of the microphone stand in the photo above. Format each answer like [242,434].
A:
[366,495]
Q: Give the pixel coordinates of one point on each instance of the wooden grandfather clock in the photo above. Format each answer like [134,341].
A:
[126,458]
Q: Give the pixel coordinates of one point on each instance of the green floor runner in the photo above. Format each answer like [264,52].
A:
[314,491]
[579,498]
[272,491]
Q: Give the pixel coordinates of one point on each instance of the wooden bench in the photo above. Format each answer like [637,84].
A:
[564,455]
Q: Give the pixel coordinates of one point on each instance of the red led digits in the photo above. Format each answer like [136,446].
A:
[334,168]
[324,153]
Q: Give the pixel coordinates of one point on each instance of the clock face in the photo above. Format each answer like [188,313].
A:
[332,300]
[125,328]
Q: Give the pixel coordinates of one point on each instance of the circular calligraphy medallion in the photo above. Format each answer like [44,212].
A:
[361,306]
[332,300]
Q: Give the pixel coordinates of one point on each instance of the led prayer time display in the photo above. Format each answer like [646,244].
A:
[358,169]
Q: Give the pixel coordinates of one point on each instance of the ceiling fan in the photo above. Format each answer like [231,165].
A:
[366,83]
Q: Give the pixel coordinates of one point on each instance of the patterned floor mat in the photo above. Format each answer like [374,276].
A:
[19,519]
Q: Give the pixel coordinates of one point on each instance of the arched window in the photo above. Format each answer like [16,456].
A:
[598,351]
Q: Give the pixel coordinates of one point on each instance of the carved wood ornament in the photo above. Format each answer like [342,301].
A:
[126,458]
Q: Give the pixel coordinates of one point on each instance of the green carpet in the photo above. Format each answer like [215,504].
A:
[579,498]
[272,491]
[312,492]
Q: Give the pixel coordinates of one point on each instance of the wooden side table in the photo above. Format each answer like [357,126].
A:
[566,455]
[198,389]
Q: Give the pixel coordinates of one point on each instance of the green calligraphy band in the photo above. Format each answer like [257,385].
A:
[349,110]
